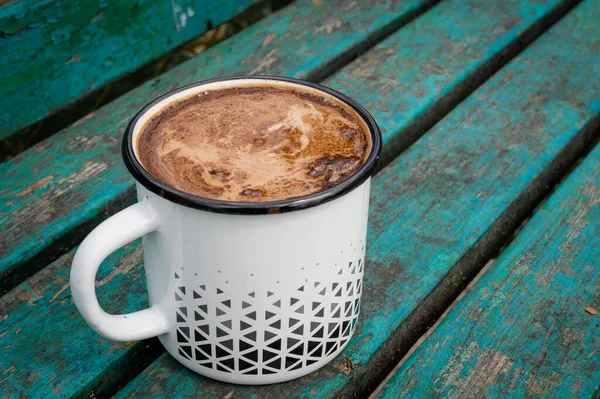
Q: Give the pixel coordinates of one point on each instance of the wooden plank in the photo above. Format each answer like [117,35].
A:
[400,255]
[54,52]
[444,207]
[48,210]
[49,351]
[523,331]
[64,186]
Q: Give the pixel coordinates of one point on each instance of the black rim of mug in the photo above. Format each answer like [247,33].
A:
[254,208]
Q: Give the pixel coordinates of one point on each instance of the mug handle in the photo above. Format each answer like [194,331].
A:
[123,227]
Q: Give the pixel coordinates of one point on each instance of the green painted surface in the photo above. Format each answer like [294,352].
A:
[63,186]
[429,208]
[523,331]
[433,204]
[51,208]
[54,51]
[48,350]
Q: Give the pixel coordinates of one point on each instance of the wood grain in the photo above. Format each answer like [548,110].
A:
[410,81]
[430,207]
[523,331]
[462,184]
[50,208]
[62,187]
[49,351]
[54,52]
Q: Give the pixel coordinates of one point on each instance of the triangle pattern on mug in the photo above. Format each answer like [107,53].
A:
[267,332]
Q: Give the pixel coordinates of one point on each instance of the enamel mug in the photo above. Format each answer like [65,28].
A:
[248,293]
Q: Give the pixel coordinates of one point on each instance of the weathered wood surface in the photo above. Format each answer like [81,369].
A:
[413,239]
[523,331]
[410,81]
[48,210]
[49,351]
[444,207]
[54,52]
[59,189]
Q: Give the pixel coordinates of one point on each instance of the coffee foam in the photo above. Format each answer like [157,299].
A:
[253,143]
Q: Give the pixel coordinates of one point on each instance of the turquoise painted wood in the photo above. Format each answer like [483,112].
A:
[455,188]
[49,351]
[413,79]
[50,210]
[523,331]
[413,216]
[54,52]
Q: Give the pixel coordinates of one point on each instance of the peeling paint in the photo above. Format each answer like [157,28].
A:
[38,184]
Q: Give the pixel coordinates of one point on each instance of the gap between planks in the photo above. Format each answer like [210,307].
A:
[498,236]
[460,296]
[88,103]
[436,112]
[74,233]
[395,147]
[501,232]
[575,153]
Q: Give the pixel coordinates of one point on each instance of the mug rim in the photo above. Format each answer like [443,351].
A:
[172,194]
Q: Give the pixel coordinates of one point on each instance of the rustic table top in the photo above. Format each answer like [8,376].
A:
[490,113]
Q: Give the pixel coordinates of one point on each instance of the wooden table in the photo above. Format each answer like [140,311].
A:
[490,112]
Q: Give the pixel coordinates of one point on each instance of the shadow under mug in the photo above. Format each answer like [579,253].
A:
[248,293]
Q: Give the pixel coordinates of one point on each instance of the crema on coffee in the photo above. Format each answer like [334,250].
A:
[254,143]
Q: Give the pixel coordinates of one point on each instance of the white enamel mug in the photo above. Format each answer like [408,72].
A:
[248,293]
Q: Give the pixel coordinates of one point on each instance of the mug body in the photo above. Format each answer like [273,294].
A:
[254,292]
[257,299]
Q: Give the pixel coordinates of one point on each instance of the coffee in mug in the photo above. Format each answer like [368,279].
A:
[254,143]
